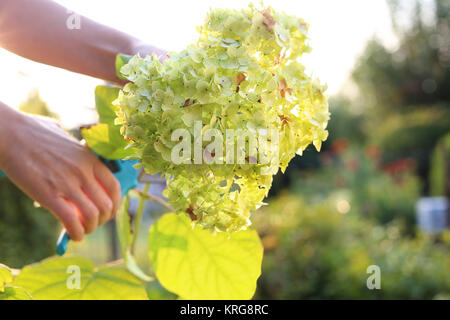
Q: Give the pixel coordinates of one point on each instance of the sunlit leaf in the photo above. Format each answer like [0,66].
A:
[196,264]
[5,277]
[126,236]
[106,141]
[104,96]
[15,293]
[55,279]
[123,225]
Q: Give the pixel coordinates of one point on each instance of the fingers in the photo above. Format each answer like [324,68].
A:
[68,216]
[92,204]
[101,200]
[84,210]
[65,177]
[109,183]
[87,211]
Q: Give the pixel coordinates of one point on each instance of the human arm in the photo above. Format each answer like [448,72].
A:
[37,30]
[55,170]
[38,156]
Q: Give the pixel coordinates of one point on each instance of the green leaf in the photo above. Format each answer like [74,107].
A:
[134,268]
[15,293]
[197,264]
[106,141]
[121,60]
[53,279]
[123,225]
[155,291]
[126,237]
[8,292]
[104,96]
[5,276]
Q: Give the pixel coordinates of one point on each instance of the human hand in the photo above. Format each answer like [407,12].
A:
[58,172]
[145,49]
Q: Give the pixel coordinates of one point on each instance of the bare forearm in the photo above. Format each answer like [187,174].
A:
[8,118]
[37,30]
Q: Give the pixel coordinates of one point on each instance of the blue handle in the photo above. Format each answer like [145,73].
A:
[2,174]
[61,244]
[127,176]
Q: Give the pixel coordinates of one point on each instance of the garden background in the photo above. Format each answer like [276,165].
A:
[334,213]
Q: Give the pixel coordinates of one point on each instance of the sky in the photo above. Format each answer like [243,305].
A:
[338,32]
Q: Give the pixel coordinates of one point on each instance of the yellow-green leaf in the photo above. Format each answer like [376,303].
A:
[197,264]
[15,293]
[55,279]
[5,276]
[123,226]
[104,96]
[106,141]
[126,237]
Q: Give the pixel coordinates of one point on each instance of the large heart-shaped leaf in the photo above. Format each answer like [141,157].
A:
[197,264]
[7,291]
[5,276]
[106,141]
[54,279]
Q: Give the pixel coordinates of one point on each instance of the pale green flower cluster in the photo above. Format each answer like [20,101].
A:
[243,74]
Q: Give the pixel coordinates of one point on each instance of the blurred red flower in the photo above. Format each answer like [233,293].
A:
[372,152]
[339,146]
[399,166]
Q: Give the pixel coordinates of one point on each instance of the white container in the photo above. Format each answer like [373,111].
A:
[432,214]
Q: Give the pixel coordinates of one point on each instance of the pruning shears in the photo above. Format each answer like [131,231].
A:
[124,172]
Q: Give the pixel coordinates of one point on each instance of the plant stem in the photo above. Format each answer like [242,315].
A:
[155,199]
[138,217]
[114,263]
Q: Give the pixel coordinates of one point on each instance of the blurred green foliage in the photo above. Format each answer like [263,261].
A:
[312,251]
[413,135]
[345,123]
[27,233]
[440,169]
[382,192]
[355,209]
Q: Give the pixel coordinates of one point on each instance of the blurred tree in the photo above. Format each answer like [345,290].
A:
[345,123]
[417,73]
[409,83]
[27,233]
